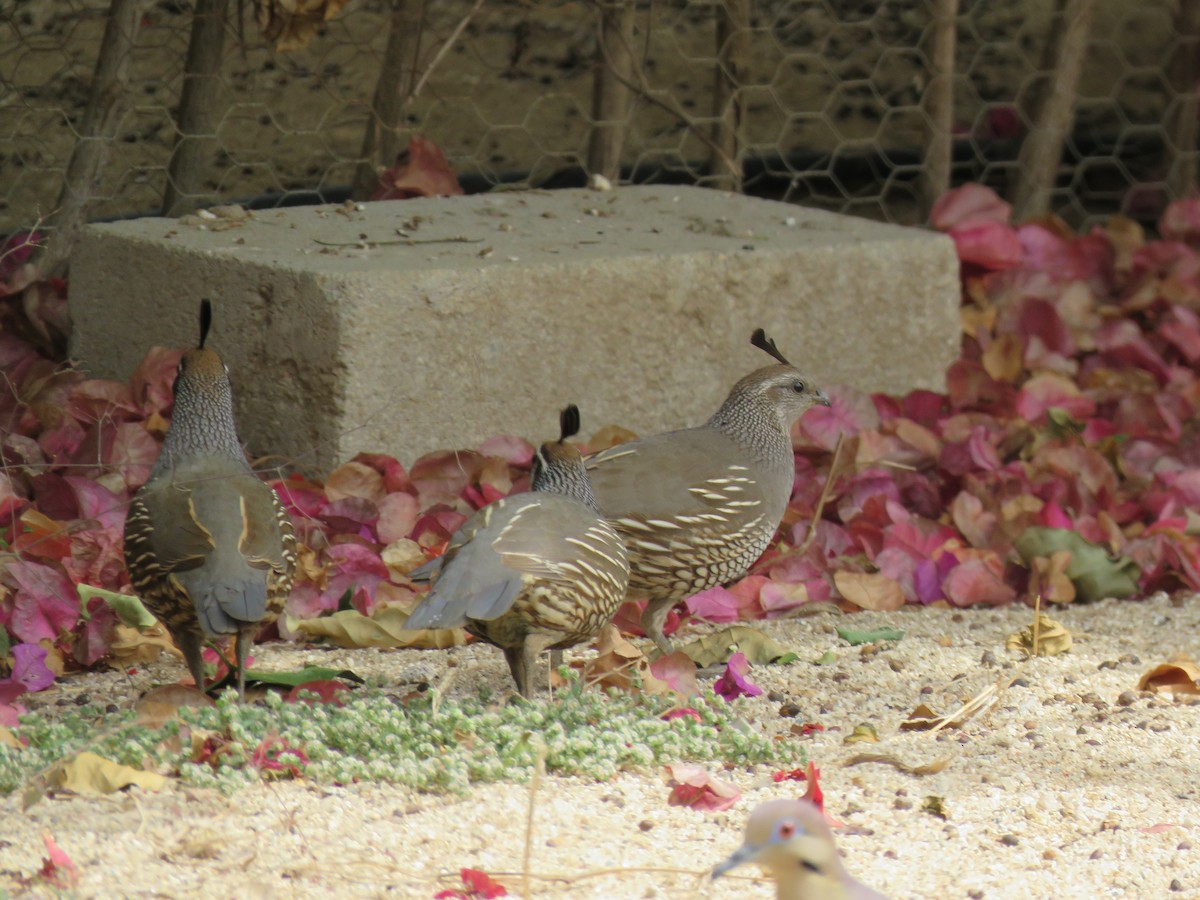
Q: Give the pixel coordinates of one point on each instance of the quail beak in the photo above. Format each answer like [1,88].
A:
[742,855]
[823,399]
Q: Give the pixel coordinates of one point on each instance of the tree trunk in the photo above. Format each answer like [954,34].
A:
[381,139]
[196,130]
[939,104]
[1184,72]
[96,132]
[733,49]
[1041,153]
[610,88]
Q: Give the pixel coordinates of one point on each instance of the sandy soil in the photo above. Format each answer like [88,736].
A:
[1071,785]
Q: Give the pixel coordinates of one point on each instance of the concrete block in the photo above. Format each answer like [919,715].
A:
[409,326]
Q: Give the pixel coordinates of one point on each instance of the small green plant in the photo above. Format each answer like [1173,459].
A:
[373,737]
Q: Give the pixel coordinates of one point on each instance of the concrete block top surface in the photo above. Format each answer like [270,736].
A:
[409,326]
[501,228]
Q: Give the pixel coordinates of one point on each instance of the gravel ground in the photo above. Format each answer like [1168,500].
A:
[1071,785]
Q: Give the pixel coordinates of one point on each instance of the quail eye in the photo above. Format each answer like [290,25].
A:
[798,387]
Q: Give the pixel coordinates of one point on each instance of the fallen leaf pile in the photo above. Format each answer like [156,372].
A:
[1063,460]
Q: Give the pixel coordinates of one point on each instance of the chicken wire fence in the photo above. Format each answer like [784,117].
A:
[822,102]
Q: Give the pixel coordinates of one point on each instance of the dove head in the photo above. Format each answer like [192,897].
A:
[790,839]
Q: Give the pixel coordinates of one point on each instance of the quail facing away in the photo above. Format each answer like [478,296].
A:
[791,840]
[209,547]
[697,507]
[534,571]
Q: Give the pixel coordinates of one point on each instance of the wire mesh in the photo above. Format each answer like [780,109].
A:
[830,96]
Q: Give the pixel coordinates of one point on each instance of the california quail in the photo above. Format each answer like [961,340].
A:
[791,840]
[697,507]
[209,547]
[534,571]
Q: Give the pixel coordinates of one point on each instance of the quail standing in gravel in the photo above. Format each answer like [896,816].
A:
[697,507]
[535,571]
[792,841]
[209,547]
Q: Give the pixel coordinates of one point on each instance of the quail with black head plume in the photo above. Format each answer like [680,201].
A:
[531,572]
[209,547]
[697,507]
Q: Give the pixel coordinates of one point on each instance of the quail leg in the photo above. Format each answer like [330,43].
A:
[190,646]
[241,650]
[653,619]
[522,661]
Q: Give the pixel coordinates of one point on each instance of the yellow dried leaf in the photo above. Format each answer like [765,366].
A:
[350,628]
[1177,676]
[876,591]
[977,320]
[310,568]
[8,739]
[1002,358]
[88,773]
[1050,579]
[1126,236]
[1052,638]
[862,734]
[610,436]
[402,556]
[925,440]
[133,647]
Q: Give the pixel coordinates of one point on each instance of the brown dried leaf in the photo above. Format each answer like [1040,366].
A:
[1177,676]
[158,706]
[131,647]
[354,479]
[876,591]
[615,663]
[291,24]
[922,719]
[934,805]
[887,759]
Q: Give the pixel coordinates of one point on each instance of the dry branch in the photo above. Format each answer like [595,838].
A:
[96,132]
[1041,152]
[196,128]
[641,88]
[939,103]
[733,51]
[612,73]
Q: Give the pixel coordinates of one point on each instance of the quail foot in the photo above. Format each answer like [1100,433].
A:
[792,841]
[531,572]
[697,507]
[209,547]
